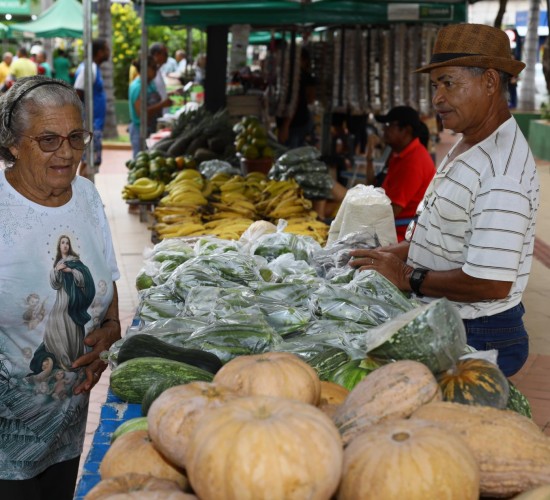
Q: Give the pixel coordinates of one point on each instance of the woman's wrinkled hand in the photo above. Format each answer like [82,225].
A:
[387,264]
[99,340]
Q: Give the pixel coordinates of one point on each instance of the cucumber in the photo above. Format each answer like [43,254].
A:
[134,424]
[142,345]
[130,380]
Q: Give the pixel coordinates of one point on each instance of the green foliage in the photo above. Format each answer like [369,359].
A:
[127,40]
[545,111]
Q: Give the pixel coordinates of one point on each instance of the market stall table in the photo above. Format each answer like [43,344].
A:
[113,413]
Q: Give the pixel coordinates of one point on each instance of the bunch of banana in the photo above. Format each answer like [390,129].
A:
[180,230]
[308,226]
[235,183]
[227,229]
[185,192]
[143,189]
[189,174]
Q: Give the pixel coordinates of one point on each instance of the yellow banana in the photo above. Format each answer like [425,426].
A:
[153,195]
[187,229]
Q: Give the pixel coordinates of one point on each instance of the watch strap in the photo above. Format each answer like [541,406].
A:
[416,279]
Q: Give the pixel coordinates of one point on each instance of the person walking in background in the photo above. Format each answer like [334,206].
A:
[410,166]
[100,54]
[170,66]
[22,66]
[62,66]
[155,104]
[160,55]
[5,67]
[42,64]
[474,238]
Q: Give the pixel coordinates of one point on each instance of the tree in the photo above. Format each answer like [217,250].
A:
[500,14]
[527,95]
[105,30]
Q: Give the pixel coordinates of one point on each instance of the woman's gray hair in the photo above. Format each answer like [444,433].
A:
[24,101]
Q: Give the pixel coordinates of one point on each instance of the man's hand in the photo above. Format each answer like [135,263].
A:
[387,264]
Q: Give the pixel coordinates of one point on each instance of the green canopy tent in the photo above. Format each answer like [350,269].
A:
[64,18]
[289,12]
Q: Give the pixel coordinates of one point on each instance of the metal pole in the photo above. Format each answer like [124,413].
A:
[88,84]
[143,76]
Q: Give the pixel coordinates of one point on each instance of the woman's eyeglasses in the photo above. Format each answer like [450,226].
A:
[52,142]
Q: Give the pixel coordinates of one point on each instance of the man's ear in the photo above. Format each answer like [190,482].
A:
[492,81]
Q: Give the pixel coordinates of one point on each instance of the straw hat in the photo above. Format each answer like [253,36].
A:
[473,45]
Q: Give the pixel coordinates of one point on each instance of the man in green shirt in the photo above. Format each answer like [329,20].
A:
[62,66]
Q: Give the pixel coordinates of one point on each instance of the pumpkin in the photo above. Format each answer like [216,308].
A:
[173,415]
[261,447]
[279,374]
[332,393]
[138,486]
[540,493]
[415,460]
[134,452]
[475,382]
[394,390]
[512,452]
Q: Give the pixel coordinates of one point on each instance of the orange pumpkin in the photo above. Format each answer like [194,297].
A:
[279,374]
[413,460]
[262,447]
[134,452]
[173,415]
[137,486]
[332,393]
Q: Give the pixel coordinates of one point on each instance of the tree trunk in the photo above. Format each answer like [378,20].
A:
[527,93]
[106,31]
[500,13]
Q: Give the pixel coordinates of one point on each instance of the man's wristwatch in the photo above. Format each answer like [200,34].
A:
[416,279]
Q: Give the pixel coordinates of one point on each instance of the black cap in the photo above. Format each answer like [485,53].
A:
[405,115]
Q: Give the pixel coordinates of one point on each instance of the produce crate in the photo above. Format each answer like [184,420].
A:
[260,165]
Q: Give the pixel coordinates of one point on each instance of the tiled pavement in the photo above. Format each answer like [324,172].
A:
[132,237]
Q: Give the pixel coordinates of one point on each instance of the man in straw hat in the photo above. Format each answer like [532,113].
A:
[473,240]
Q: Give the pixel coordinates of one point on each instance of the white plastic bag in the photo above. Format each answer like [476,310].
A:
[364,208]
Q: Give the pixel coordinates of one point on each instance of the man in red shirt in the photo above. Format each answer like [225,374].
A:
[410,167]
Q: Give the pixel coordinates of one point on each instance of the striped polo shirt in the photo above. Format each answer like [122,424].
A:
[479,215]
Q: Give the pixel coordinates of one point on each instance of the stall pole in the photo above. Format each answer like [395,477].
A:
[88,84]
[216,68]
[143,75]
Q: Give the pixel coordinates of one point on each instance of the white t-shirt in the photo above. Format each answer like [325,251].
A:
[49,301]
[479,215]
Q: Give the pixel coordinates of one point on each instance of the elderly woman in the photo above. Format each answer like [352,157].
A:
[55,238]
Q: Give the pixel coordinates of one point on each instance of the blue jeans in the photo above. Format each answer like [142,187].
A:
[504,332]
[134,139]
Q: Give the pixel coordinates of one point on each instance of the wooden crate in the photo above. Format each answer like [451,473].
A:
[244,105]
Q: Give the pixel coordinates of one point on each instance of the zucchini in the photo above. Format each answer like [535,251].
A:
[143,345]
[327,362]
[518,402]
[154,391]
[134,424]
[130,380]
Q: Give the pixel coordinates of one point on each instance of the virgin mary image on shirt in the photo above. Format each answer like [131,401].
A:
[64,334]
